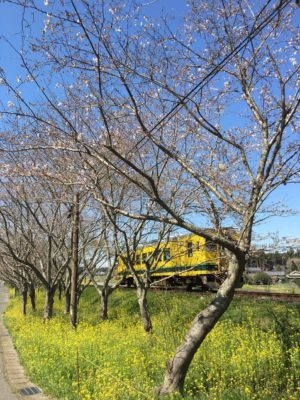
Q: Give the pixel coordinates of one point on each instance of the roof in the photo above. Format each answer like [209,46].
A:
[271,273]
[276,273]
[294,275]
[253,269]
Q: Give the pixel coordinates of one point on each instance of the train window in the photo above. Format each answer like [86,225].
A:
[210,246]
[138,259]
[167,254]
[190,249]
[144,257]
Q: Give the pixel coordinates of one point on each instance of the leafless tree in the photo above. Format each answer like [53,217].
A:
[101,260]
[130,237]
[20,278]
[34,234]
[126,237]
[96,253]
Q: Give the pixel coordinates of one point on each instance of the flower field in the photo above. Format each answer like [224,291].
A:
[253,353]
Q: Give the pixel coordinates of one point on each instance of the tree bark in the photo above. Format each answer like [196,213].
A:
[144,310]
[67,300]
[59,291]
[74,269]
[32,297]
[24,300]
[49,301]
[104,304]
[204,322]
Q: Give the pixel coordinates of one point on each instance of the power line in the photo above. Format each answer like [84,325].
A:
[207,78]
[226,59]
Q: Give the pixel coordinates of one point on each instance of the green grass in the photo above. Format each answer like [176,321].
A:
[253,353]
[287,287]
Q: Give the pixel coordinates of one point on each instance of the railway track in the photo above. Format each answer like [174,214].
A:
[288,297]
[269,295]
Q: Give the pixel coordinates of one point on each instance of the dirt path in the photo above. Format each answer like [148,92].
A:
[14,385]
[5,391]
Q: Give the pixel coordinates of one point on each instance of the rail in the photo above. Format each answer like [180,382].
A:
[293,297]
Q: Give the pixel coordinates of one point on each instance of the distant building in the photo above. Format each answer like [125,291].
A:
[294,275]
[275,275]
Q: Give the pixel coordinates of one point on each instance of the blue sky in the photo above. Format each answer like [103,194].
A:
[10,17]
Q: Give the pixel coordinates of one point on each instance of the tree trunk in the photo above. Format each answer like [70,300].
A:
[67,300]
[104,304]
[32,297]
[49,301]
[204,322]
[143,304]
[74,268]
[59,291]
[24,300]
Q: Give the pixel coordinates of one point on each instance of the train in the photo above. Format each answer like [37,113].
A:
[185,260]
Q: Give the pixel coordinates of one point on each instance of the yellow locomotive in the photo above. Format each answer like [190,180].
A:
[187,260]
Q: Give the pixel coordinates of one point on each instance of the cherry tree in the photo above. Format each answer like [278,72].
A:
[20,278]
[34,233]
[126,238]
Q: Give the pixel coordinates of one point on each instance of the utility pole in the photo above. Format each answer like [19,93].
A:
[74,262]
